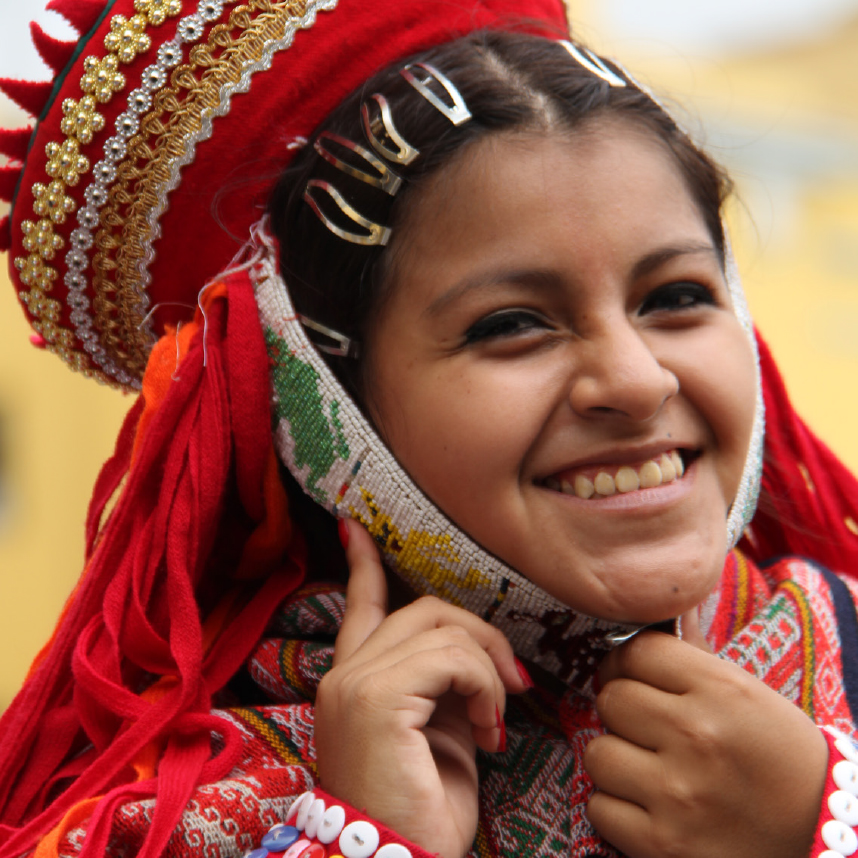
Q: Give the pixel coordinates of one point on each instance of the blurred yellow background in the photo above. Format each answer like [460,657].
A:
[777,104]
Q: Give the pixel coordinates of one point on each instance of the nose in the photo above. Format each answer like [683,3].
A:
[616,372]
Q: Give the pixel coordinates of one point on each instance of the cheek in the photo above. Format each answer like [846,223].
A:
[458,429]
[719,378]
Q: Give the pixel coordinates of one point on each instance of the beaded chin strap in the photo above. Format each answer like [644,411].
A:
[338,458]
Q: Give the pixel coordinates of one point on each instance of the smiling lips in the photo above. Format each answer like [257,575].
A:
[623,479]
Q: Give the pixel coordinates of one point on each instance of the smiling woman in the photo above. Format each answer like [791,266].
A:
[594,331]
[493,319]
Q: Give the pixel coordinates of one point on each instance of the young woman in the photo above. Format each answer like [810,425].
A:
[503,332]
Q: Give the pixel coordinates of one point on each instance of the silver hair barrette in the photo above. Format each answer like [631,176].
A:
[458,113]
[372,126]
[594,64]
[419,76]
[345,347]
[377,234]
[386,179]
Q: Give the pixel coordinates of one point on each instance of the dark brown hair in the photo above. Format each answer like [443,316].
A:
[509,81]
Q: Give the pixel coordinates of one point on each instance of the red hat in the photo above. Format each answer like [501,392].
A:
[160,137]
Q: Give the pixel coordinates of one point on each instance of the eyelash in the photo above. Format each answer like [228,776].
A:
[507,323]
[683,295]
[673,297]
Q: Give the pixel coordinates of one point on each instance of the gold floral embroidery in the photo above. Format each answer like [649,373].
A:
[51,201]
[177,113]
[127,37]
[40,238]
[102,77]
[66,162]
[34,273]
[157,11]
[82,119]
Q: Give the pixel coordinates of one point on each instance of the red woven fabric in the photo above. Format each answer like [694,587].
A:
[84,717]
[809,501]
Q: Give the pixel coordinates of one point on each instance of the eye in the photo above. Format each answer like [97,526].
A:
[506,323]
[677,296]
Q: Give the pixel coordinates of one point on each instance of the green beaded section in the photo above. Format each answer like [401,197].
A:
[318,440]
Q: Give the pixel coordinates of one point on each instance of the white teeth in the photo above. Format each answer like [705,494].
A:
[668,468]
[627,480]
[677,463]
[584,487]
[651,476]
[604,484]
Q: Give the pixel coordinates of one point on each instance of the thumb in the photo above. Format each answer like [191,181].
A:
[688,628]
[366,594]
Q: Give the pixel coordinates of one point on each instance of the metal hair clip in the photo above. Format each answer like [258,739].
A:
[594,64]
[347,348]
[386,179]
[384,121]
[378,234]
[458,114]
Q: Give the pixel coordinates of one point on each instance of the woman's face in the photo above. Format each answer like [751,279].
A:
[559,317]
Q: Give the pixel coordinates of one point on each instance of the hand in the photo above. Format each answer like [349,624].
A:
[702,758]
[410,698]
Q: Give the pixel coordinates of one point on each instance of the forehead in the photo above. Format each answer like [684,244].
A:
[544,191]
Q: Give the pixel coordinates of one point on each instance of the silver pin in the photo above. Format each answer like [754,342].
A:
[386,179]
[591,62]
[346,348]
[378,234]
[458,113]
[405,152]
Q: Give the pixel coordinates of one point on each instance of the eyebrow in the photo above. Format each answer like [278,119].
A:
[653,261]
[534,279]
[538,280]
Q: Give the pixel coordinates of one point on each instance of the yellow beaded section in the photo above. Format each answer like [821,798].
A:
[100,82]
[177,114]
[425,559]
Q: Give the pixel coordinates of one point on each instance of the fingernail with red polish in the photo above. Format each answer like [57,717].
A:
[502,728]
[343,530]
[525,676]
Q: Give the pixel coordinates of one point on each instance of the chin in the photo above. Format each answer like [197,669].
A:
[623,589]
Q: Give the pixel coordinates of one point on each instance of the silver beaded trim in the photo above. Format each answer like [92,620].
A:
[242,85]
[190,29]
[745,503]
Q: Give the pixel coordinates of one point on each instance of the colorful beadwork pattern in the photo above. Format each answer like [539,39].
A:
[335,454]
[337,457]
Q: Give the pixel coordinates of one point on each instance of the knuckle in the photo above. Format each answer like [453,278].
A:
[458,655]
[429,604]
[670,843]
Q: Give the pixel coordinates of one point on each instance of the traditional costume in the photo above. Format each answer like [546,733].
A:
[142,258]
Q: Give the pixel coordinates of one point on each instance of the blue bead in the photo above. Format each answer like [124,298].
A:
[280,838]
[257,853]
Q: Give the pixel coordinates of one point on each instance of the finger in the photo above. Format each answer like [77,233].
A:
[690,632]
[638,712]
[622,769]
[410,689]
[366,594]
[429,613]
[445,645]
[656,659]
[623,824]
